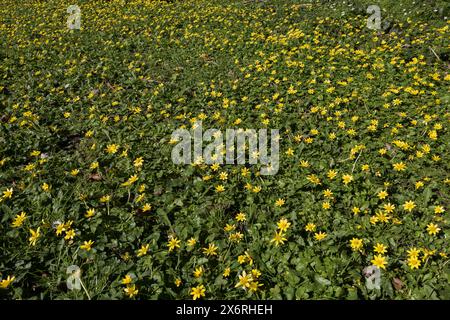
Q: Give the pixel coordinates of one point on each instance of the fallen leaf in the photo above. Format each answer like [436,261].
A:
[397,283]
[95,177]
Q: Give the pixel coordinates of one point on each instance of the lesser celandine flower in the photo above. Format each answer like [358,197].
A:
[356,244]
[19,219]
[409,205]
[244,280]
[5,283]
[198,292]
[319,236]
[280,202]
[173,243]
[279,238]
[87,245]
[131,290]
[143,250]
[379,261]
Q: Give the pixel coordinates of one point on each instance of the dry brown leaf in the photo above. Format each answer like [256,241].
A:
[95,177]
[397,283]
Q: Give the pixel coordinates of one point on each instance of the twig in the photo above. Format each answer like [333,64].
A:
[435,54]
[354,164]
[87,293]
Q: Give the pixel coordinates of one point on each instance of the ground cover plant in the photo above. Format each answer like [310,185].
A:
[92,206]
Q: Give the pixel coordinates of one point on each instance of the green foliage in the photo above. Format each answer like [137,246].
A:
[79,108]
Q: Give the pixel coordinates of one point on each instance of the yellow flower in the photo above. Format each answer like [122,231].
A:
[127,279]
[245,172]
[112,148]
[130,181]
[198,272]
[173,243]
[74,172]
[131,290]
[229,227]
[87,245]
[191,242]
[244,280]
[356,244]
[178,282]
[90,213]
[389,208]
[210,250]
[146,207]
[290,152]
[236,237]
[220,188]
[240,217]
[4,283]
[70,234]
[60,228]
[94,165]
[409,205]
[226,272]
[7,194]
[379,261]
[283,224]
[313,179]
[105,198]
[256,189]
[320,235]
[143,250]
[304,164]
[331,174]
[433,229]
[19,219]
[138,162]
[35,153]
[223,176]
[380,248]
[198,292]
[280,202]
[414,262]
[45,186]
[248,258]
[139,198]
[256,273]
[254,285]
[347,178]
[34,236]
[419,184]
[413,252]
[310,227]
[278,238]
[327,193]
[439,209]
[30,167]
[400,166]
[382,194]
